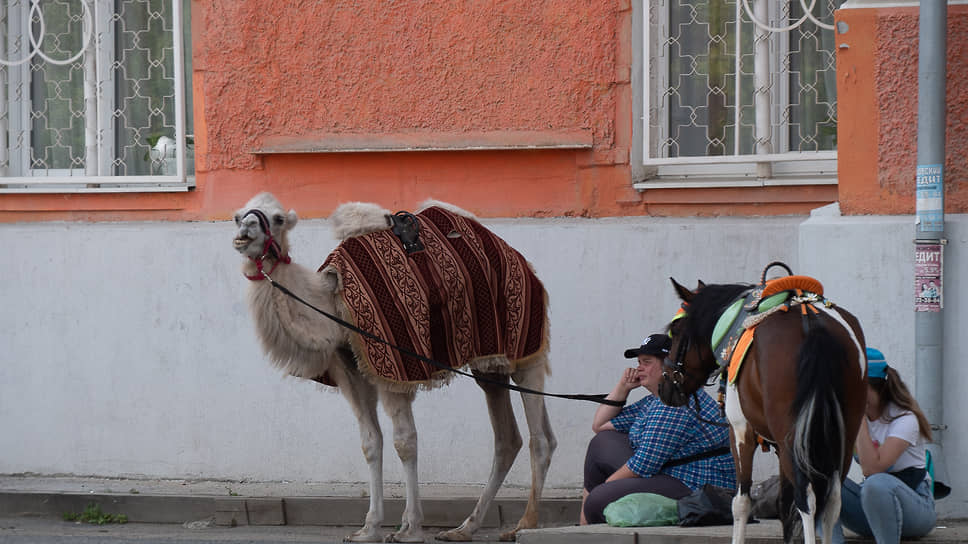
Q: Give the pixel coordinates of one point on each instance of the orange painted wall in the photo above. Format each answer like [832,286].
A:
[266,69]
[877,88]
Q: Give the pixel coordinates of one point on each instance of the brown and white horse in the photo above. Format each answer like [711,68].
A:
[801,388]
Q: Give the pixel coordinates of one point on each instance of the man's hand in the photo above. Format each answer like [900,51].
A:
[630,380]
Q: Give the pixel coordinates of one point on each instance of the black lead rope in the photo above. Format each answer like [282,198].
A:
[593,398]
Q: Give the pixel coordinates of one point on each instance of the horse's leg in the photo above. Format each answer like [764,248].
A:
[542,443]
[787,509]
[362,397]
[399,406]
[507,443]
[808,518]
[831,511]
[743,442]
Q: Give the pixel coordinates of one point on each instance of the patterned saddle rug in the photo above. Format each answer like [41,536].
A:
[465,298]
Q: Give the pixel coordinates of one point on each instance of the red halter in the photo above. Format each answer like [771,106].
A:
[270,245]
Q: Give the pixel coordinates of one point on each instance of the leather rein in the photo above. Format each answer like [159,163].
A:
[405,226]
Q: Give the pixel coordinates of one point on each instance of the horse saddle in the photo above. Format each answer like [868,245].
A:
[733,333]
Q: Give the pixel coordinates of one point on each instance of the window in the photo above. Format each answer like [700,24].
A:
[94,96]
[728,103]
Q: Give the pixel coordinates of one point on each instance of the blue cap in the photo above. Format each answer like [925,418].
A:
[876,364]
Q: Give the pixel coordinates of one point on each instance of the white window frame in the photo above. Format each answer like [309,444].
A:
[762,169]
[99,104]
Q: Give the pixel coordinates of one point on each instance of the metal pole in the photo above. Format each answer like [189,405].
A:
[762,89]
[929,250]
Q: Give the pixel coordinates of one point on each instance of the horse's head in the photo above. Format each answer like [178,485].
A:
[687,367]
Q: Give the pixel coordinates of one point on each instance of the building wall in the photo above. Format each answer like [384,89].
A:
[129,350]
[527,106]
[877,94]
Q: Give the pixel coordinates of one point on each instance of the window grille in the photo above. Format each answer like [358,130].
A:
[727,102]
[93,96]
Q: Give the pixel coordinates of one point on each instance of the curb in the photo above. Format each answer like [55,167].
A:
[234,511]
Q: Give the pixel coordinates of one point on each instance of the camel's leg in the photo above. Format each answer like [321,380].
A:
[743,442]
[399,406]
[542,443]
[362,397]
[507,442]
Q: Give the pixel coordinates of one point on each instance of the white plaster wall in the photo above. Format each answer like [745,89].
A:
[127,349]
[867,266]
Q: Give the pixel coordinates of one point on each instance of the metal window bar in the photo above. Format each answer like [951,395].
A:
[794,113]
[88,89]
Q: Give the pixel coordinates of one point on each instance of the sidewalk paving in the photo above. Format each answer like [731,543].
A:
[267,504]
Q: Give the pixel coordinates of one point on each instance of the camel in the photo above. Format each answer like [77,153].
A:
[303,343]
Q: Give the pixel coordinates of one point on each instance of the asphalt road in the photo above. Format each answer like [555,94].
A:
[35,530]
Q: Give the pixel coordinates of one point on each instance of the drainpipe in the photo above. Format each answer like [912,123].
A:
[929,235]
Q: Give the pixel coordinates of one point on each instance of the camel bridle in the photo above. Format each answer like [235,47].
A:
[269,248]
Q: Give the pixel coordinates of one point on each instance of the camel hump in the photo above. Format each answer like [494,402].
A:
[358,218]
[431,203]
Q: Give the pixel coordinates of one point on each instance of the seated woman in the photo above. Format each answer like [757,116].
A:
[648,447]
[895,497]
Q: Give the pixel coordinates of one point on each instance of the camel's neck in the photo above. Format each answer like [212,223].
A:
[297,338]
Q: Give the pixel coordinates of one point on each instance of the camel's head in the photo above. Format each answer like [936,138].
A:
[261,222]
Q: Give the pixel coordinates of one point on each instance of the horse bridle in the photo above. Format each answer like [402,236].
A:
[675,371]
[679,373]
[269,246]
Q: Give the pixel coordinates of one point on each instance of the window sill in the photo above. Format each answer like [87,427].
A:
[82,184]
[725,183]
[404,142]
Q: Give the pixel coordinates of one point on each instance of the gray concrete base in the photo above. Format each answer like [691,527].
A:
[764,532]
[236,511]
[284,504]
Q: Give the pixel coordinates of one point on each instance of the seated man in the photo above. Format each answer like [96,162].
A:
[648,447]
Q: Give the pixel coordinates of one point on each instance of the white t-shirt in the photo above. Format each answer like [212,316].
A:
[904,427]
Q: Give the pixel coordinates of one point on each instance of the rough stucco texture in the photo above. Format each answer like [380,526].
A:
[376,67]
[896,74]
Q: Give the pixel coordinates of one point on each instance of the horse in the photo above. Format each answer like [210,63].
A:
[797,382]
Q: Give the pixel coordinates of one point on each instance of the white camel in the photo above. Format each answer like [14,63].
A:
[303,343]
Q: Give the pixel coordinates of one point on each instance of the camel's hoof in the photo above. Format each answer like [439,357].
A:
[454,535]
[509,536]
[404,537]
[364,535]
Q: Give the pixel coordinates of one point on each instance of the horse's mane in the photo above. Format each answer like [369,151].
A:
[706,307]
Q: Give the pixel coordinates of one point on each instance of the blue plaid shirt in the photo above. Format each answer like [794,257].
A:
[659,433]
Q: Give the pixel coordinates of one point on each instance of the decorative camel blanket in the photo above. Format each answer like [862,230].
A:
[467,298]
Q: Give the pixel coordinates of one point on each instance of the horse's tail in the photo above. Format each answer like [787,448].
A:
[818,441]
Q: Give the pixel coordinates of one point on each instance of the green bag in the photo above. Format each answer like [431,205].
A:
[642,510]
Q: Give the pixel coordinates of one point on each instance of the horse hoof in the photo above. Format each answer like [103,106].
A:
[454,535]
[509,536]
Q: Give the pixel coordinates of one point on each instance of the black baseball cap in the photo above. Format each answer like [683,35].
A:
[657,345]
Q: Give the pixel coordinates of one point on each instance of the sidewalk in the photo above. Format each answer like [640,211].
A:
[227,504]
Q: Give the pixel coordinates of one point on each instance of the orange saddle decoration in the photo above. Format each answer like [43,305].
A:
[791,283]
[798,284]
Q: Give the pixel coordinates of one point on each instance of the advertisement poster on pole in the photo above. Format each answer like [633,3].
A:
[928,265]
[930,198]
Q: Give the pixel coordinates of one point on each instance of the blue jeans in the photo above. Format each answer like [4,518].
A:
[886,508]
